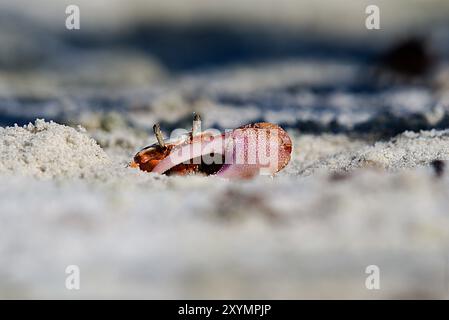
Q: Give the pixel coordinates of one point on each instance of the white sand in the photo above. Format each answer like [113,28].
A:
[49,150]
[407,150]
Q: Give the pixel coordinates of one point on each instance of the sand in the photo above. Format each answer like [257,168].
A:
[48,150]
[305,233]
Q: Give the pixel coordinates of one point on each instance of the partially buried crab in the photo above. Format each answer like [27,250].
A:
[257,148]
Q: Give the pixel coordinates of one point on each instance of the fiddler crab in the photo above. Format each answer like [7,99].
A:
[242,153]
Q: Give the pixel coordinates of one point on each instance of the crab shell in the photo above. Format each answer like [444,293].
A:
[259,148]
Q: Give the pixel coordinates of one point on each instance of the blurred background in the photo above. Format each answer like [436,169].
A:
[140,53]
[147,57]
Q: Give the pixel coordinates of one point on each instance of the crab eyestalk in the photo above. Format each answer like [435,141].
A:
[196,127]
[158,134]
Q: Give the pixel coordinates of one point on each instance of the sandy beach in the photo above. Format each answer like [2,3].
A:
[367,183]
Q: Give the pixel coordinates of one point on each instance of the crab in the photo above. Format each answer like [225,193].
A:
[242,153]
